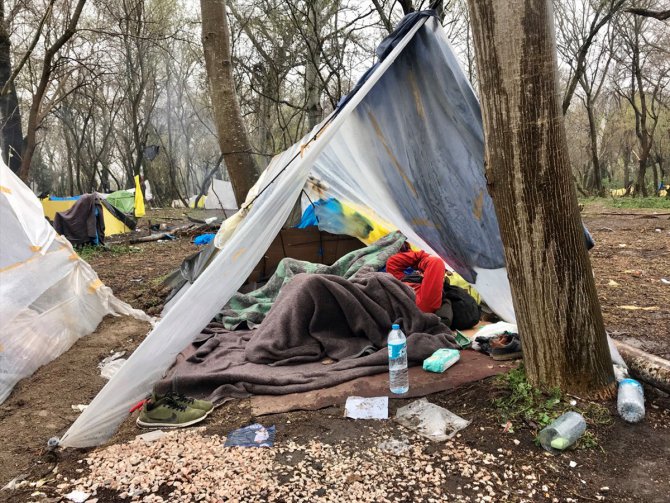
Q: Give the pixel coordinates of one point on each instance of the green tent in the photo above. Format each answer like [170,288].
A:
[123,200]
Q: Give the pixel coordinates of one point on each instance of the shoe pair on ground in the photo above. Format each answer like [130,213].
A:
[506,346]
[173,410]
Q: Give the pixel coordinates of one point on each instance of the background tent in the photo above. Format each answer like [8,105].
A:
[407,145]
[49,297]
[115,221]
[122,200]
[220,196]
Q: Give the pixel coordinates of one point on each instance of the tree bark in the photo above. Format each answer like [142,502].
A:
[233,139]
[11,139]
[528,170]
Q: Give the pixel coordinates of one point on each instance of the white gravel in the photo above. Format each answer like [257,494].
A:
[189,466]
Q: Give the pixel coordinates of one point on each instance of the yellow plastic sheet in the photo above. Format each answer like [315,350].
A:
[139,198]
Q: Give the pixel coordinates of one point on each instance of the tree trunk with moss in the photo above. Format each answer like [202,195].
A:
[528,171]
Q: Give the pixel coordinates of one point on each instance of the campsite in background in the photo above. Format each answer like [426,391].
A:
[262,251]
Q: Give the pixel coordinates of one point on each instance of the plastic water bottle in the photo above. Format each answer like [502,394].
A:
[397,346]
[630,401]
[563,432]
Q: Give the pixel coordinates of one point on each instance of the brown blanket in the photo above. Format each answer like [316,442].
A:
[315,317]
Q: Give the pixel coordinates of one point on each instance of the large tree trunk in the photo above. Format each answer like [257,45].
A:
[233,138]
[528,170]
[11,139]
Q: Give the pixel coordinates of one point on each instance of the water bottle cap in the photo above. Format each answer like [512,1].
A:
[630,381]
[395,326]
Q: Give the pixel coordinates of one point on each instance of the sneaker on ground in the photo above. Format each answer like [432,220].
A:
[188,401]
[168,413]
[505,347]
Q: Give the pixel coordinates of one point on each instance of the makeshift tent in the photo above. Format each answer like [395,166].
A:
[220,196]
[407,144]
[201,202]
[49,297]
[122,200]
[116,222]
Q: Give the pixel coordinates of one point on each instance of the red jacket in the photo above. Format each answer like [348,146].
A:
[429,291]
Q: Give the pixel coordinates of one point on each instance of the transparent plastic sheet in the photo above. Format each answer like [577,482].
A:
[418,162]
[242,239]
[189,314]
[49,297]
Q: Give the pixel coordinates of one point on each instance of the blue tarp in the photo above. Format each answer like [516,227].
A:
[56,198]
[419,133]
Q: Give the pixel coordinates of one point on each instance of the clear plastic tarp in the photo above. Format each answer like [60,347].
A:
[49,297]
[407,146]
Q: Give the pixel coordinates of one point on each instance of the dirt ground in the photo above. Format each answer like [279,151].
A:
[629,462]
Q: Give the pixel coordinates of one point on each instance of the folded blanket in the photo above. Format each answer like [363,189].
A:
[315,317]
[251,308]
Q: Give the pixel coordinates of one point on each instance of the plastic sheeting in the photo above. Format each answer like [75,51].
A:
[243,239]
[49,297]
[413,153]
[220,196]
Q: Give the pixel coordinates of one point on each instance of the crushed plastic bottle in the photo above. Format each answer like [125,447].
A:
[630,401]
[397,347]
[563,432]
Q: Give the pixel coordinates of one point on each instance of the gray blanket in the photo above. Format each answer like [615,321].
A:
[251,308]
[315,319]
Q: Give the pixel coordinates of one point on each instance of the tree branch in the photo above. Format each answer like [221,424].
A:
[661,15]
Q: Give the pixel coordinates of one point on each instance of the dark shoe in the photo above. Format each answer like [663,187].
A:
[168,413]
[505,347]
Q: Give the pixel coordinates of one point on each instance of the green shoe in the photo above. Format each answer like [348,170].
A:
[193,403]
[168,413]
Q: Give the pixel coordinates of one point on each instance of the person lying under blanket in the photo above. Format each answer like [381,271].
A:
[315,318]
[433,293]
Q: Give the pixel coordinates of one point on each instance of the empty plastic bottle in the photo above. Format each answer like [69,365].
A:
[630,401]
[397,346]
[563,432]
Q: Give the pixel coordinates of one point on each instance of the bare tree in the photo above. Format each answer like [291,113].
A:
[594,14]
[646,64]
[528,171]
[38,110]
[591,83]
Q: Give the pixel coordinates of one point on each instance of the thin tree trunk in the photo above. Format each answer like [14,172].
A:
[313,84]
[597,184]
[204,187]
[11,139]
[626,169]
[640,183]
[553,288]
[233,138]
[654,171]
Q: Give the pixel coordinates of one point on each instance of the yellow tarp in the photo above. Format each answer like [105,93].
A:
[139,198]
[201,203]
[112,224]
